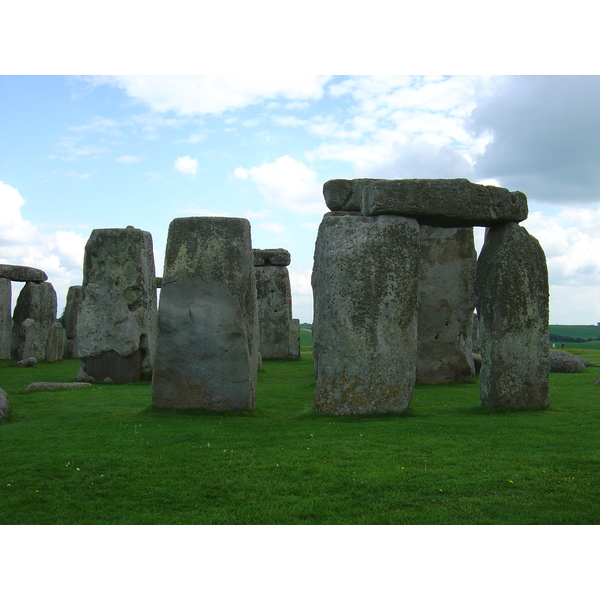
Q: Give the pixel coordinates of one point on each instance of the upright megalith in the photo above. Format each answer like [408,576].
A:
[116,322]
[72,307]
[512,304]
[33,319]
[208,342]
[447,265]
[5,318]
[365,313]
[274,296]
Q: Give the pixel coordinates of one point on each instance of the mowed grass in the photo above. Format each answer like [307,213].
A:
[104,456]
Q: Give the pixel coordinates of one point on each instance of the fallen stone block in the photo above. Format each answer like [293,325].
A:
[26,362]
[4,405]
[44,386]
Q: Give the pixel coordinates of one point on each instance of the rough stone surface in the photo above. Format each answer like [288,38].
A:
[33,317]
[19,273]
[5,318]
[448,261]
[208,342]
[116,322]
[436,202]
[43,386]
[4,405]
[26,362]
[365,313]
[295,339]
[274,299]
[512,303]
[277,257]
[55,343]
[72,307]
[564,362]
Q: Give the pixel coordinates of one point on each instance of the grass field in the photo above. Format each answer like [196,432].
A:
[104,456]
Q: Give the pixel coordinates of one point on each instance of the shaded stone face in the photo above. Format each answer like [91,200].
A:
[277,257]
[436,202]
[72,307]
[5,318]
[207,345]
[512,303]
[365,314]
[447,267]
[274,299]
[117,313]
[33,317]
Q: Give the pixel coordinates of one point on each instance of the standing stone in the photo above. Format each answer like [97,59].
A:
[34,315]
[295,339]
[55,342]
[448,262]
[365,313]
[274,296]
[72,308]
[116,324]
[4,405]
[208,342]
[5,318]
[512,303]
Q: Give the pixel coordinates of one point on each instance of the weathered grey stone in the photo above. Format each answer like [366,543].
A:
[436,202]
[44,386]
[33,317]
[278,257]
[26,362]
[116,322]
[5,318]
[564,362]
[476,361]
[72,307]
[274,299]
[207,347]
[19,273]
[295,339]
[4,405]
[512,303]
[55,343]
[159,282]
[448,261]
[365,313]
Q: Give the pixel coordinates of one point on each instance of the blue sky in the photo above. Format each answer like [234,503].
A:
[85,152]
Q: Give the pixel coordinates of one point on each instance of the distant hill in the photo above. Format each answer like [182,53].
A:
[574,333]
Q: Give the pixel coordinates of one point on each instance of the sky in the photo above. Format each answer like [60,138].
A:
[84,152]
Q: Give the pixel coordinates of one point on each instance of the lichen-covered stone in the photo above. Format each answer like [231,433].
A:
[447,265]
[116,323]
[20,273]
[72,307]
[46,386]
[564,362]
[33,317]
[5,318]
[435,202]
[512,302]
[207,347]
[274,299]
[365,314]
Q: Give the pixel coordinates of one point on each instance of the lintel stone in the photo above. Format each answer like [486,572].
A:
[435,202]
[20,273]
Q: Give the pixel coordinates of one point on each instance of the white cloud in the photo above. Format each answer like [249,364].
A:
[277,228]
[59,254]
[287,184]
[129,159]
[215,94]
[302,295]
[186,165]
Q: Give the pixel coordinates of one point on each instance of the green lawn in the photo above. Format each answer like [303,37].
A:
[104,456]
